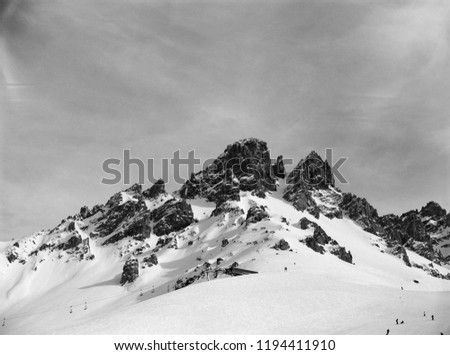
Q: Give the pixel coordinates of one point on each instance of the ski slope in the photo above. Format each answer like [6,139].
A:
[319,294]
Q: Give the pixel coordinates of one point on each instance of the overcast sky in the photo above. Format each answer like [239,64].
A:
[84,79]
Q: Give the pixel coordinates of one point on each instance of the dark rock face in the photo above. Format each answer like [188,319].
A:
[85,212]
[135,190]
[151,260]
[414,228]
[157,189]
[312,172]
[224,243]
[320,236]
[132,218]
[320,239]
[130,271]
[137,227]
[433,209]
[243,166]
[305,223]
[73,242]
[227,208]
[301,199]
[278,168]
[359,210]
[342,254]
[71,226]
[407,230]
[11,256]
[312,244]
[400,251]
[256,214]
[282,245]
[172,216]
[116,216]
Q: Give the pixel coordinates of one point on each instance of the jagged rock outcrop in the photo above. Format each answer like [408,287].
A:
[130,271]
[73,242]
[244,166]
[256,214]
[71,226]
[11,255]
[150,261]
[85,212]
[227,207]
[301,198]
[360,211]
[172,216]
[157,189]
[133,219]
[305,223]
[321,242]
[116,215]
[137,227]
[408,229]
[282,245]
[414,231]
[400,251]
[434,210]
[310,174]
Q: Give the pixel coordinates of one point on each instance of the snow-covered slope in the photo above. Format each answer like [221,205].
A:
[315,274]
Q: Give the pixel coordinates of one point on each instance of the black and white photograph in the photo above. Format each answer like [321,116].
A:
[269,168]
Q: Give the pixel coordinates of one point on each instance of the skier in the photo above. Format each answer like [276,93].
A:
[387,332]
[396,321]
[402,322]
[285,269]
[432,317]
[71,310]
[424,314]
[4,322]
[85,305]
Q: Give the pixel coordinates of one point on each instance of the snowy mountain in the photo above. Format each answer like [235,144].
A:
[314,259]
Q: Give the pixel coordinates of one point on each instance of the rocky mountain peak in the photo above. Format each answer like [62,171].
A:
[246,148]
[312,172]
[433,209]
[158,188]
[244,166]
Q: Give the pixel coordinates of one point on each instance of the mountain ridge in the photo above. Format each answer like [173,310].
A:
[224,217]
